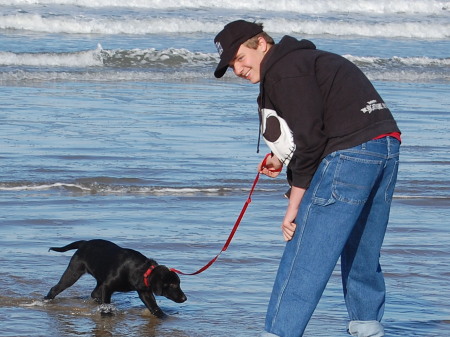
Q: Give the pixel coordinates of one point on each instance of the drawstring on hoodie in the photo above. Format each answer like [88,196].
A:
[259,130]
[261,90]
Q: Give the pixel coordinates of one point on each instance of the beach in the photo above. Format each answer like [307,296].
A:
[114,127]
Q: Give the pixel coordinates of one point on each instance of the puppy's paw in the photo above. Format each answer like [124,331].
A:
[159,313]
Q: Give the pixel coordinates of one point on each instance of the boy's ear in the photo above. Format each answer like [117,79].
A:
[262,43]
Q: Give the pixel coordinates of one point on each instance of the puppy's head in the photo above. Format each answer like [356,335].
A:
[165,282]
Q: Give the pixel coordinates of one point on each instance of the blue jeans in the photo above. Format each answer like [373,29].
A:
[344,213]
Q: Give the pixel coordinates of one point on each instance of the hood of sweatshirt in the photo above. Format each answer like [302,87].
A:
[286,45]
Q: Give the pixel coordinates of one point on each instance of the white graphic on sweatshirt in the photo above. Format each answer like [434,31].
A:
[283,148]
[373,106]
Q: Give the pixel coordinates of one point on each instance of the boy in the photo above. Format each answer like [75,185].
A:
[322,119]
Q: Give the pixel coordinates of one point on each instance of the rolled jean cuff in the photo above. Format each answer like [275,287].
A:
[365,329]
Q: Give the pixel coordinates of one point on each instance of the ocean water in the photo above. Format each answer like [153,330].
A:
[113,126]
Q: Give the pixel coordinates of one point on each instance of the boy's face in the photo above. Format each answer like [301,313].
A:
[247,62]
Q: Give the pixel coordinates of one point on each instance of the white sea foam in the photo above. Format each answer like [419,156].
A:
[421,26]
[115,189]
[105,76]
[41,187]
[381,28]
[18,76]
[79,59]
[409,61]
[92,25]
[96,57]
[106,309]
[428,7]
[152,65]
[99,57]
[34,304]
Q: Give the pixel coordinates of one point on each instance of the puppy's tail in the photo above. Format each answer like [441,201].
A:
[70,246]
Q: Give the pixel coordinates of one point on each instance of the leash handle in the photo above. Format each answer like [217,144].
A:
[265,160]
[235,227]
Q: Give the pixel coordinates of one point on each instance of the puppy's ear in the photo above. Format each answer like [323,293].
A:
[157,279]
[157,287]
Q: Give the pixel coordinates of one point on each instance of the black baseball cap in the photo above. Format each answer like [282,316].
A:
[230,39]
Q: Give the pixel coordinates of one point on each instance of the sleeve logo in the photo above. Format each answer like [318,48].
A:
[372,106]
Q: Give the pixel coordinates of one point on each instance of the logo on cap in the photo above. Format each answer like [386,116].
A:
[219,48]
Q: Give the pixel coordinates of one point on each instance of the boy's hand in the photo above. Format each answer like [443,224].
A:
[270,166]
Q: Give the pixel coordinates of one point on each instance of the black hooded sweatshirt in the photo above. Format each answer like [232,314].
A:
[326,100]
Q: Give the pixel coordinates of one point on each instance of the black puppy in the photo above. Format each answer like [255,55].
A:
[119,269]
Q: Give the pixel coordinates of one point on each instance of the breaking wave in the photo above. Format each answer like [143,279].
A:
[391,27]
[181,64]
[306,6]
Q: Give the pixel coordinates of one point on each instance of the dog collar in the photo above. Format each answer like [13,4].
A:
[147,275]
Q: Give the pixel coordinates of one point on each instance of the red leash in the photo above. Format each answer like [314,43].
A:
[236,225]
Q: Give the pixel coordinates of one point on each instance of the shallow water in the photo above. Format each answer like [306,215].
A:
[136,143]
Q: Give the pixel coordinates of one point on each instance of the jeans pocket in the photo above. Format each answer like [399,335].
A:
[322,184]
[392,180]
[354,178]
